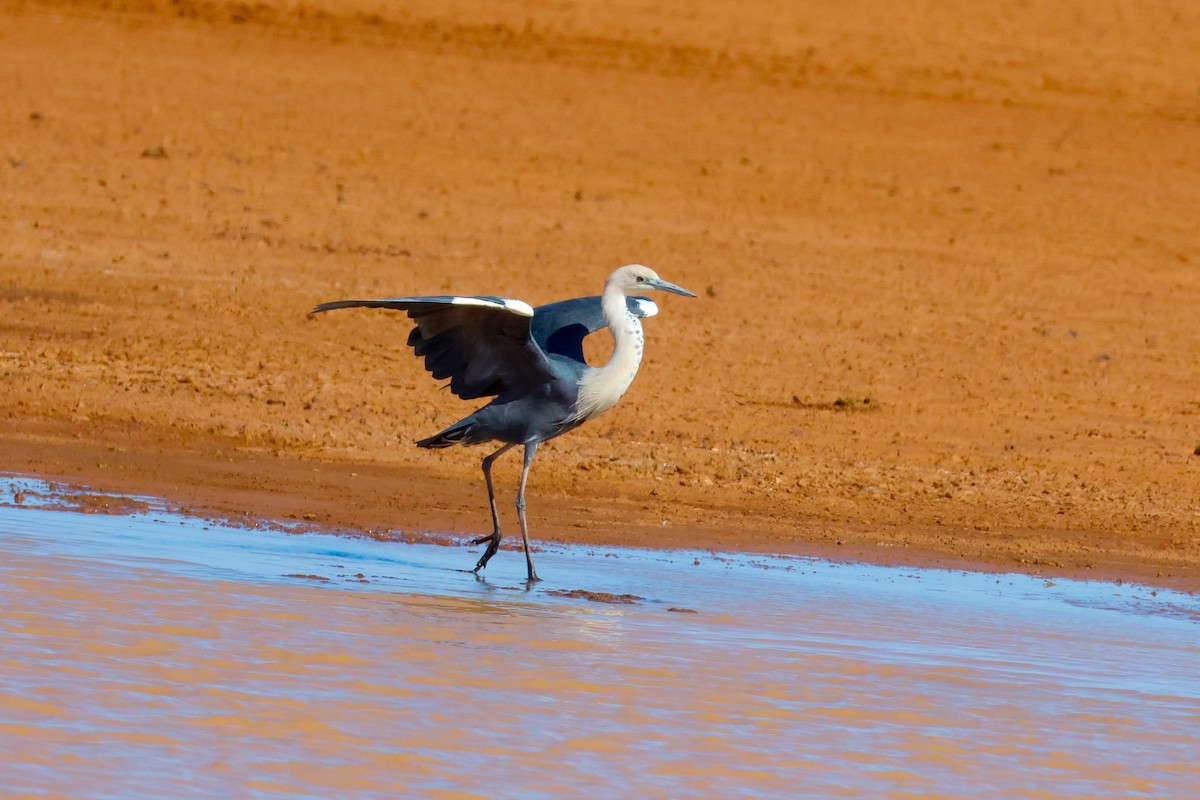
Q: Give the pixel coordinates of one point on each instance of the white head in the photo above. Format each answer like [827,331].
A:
[635,278]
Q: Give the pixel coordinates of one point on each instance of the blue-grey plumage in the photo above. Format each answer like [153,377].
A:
[560,328]
[531,362]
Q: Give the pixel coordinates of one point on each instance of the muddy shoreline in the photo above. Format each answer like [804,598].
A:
[212,479]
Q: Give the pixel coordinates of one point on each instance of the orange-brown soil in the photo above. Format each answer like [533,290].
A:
[948,264]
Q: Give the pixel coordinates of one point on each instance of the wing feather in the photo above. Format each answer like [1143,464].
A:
[483,345]
[560,328]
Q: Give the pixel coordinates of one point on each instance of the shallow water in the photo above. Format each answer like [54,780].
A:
[150,654]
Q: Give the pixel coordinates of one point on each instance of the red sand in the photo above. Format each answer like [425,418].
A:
[982,219]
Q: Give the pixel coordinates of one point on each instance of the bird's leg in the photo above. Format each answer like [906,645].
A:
[493,540]
[530,450]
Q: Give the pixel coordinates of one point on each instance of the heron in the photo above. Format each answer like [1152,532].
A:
[531,361]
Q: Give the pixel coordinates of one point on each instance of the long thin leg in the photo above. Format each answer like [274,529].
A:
[493,540]
[530,450]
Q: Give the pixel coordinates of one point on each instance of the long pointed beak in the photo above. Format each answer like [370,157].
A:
[659,283]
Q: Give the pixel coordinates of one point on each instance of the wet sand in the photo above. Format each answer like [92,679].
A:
[981,220]
[147,650]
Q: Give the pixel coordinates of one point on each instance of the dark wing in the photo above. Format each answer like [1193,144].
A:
[482,344]
[560,328]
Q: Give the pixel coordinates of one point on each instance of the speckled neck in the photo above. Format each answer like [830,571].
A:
[602,388]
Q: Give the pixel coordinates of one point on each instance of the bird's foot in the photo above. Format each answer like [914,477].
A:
[493,545]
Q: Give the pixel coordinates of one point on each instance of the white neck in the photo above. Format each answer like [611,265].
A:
[600,389]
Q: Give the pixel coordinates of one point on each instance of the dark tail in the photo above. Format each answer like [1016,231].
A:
[458,433]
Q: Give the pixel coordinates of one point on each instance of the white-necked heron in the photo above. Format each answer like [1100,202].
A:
[531,360]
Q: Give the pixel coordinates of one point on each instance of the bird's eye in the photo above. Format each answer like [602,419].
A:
[641,278]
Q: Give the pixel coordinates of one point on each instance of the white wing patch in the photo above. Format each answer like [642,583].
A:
[645,306]
[515,306]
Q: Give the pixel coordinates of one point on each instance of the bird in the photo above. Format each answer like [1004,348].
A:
[531,362]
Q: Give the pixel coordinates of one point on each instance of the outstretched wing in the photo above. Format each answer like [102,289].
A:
[560,328]
[482,344]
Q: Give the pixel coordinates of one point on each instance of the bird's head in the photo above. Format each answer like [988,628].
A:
[635,278]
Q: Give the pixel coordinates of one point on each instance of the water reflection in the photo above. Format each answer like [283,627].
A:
[147,654]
